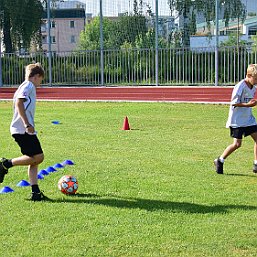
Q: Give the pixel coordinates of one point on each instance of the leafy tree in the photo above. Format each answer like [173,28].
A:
[254,44]
[135,7]
[6,26]
[128,27]
[145,40]
[123,30]
[234,9]
[21,22]
[186,8]
[126,46]
[90,38]
[232,41]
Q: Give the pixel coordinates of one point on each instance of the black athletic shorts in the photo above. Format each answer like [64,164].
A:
[29,144]
[242,131]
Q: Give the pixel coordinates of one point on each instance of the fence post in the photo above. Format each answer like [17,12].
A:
[217,43]
[1,72]
[156,44]
[101,43]
[1,77]
[49,43]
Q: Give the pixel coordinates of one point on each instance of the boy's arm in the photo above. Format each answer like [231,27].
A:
[21,110]
[251,103]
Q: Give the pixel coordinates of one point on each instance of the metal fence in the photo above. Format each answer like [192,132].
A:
[179,66]
[138,43]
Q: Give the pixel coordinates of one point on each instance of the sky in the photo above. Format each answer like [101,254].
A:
[113,7]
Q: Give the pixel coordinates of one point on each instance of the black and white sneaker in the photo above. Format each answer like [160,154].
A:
[218,166]
[255,168]
[38,197]
[3,169]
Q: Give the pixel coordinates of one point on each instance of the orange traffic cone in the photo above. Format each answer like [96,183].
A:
[126,124]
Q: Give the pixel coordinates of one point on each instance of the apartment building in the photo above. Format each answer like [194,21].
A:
[65,28]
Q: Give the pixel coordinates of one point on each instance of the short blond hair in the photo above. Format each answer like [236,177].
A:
[252,70]
[34,69]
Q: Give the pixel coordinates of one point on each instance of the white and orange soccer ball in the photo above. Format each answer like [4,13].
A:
[68,185]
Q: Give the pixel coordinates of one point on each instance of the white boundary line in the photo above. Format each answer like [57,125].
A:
[126,101]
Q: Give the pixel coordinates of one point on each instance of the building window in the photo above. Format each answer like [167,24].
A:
[43,27]
[52,24]
[72,24]
[44,39]
[252,32]
[73,39]
[53,40]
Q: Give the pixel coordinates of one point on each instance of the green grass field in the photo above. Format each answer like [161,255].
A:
[150,191]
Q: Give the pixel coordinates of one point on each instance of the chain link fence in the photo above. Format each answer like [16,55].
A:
[138,42]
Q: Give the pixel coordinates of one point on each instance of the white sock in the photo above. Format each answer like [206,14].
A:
[255,161]
[221,159]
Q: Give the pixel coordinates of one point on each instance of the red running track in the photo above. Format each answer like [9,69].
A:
[159,94]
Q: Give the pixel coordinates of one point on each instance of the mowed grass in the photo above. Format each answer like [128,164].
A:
[150,191]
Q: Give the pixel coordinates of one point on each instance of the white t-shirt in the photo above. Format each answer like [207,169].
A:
[25,91]
[241,116]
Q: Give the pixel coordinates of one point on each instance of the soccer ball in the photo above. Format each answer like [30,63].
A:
[68,185]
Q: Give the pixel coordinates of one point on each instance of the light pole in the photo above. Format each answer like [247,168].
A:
[217,43]
[1,78]
[101,43]
[85,10]
[49,42]
[156,44]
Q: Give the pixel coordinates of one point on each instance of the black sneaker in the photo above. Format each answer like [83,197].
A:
[3,170]
[255,168]
[38,197]
[218,166]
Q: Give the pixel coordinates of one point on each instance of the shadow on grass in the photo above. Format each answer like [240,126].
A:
[241,175]
[150,205]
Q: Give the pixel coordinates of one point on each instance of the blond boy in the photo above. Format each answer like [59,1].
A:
[240,119]
[23,129]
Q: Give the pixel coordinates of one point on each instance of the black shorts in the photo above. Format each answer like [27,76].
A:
[242,131]
[29,144]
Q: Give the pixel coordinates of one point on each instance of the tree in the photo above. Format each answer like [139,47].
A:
[233,41]
[234,9]
[123,30]
[185,8]
[135,7]
[127,28]
[145,40]
[21,23]
[254,44]
[90,38]
[6,26]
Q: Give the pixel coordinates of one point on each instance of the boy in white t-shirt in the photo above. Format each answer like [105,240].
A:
[241,120]
[23,130]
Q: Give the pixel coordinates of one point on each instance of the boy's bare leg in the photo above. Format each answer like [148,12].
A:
[254,137]
[32,173]
[19,161]
[27,160]
[231,148]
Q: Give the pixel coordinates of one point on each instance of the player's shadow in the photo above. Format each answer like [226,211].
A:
[151,205]
[241,175]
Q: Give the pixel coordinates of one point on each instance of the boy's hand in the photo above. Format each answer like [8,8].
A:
[252,102]
[30,129]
